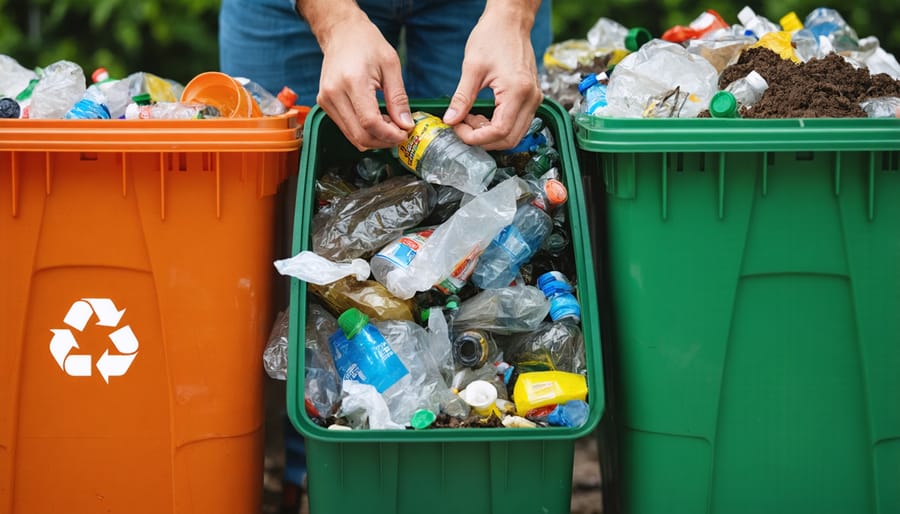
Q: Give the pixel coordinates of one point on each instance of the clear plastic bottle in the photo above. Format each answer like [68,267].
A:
[165,111]
[518,242]
[555,345]
[61,85]
[557,288]
[368,296]
[269,104]
[435,153]
[748,90]
[593,87]
[758,25]
[517,309]
[9,108]
[829,23]
[116,91]
[92,106]
[473,348]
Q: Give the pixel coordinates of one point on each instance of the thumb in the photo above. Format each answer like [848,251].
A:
[462,100]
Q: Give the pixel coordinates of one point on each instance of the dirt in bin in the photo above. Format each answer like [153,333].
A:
[821,88]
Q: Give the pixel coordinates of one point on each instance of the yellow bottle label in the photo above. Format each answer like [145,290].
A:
[427,127]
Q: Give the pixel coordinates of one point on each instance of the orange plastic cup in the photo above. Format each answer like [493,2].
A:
[219,90]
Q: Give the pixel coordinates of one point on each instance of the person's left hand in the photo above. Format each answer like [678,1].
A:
[499,56]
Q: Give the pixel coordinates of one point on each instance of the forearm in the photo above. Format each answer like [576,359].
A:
[513,13]
[324,16]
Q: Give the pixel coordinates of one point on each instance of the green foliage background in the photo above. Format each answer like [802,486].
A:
[177,38]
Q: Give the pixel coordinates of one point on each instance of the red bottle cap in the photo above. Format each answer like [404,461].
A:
[99,75]
[287,97]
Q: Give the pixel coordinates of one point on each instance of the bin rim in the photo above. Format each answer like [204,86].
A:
[639,135]
[264,134]
[548,109]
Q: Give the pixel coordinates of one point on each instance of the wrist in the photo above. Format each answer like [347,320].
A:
[513,13]
[326,16]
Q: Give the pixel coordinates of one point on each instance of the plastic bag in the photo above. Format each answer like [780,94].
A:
[322,385]
[309,267]
[276,351]
[504,310]
[363,407]
[367,219]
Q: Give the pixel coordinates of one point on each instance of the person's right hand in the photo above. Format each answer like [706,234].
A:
[358,62]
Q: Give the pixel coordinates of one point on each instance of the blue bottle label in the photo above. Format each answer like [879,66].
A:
[367,358]
[514,243]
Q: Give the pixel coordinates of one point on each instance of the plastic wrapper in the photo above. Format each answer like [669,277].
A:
[657,68]
[330,187]
[722,51]
[61,85]
[447,201]
[553,346]
[504,310]
[322,385]
[363,407]
[368,296]
[471,228]
[276,351]
[309,267]
[607,33]
[13,77]
[873,57]
[367,219]
[883,107]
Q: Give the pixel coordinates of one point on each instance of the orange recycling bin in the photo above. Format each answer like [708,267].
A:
[135,301]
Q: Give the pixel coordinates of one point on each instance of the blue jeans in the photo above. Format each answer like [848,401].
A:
[265,41]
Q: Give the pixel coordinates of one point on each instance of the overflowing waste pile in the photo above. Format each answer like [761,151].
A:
[60,91]
[755,68]
[442,289]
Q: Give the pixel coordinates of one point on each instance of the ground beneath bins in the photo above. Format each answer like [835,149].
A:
[586,496]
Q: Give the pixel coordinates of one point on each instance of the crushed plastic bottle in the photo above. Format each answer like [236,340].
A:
[322,385]
[362,222]
[92,106]
[876,59]
[504,310]
[556,345]
[706,22]
[61,85]
[116,92]
[159,89]
[368,296]
[435,153]
[653,71]
[748,90]
[607,33]
[829,23]
[165,111]
[520,240]
[882,107]
[756,24]
[269,104]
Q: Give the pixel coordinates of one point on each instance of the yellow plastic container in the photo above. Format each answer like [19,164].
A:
[135,301]
[540,388]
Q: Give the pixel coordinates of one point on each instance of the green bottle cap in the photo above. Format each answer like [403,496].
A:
[142,99]
[636,38]
[352,321]
[422,418]
[723,105]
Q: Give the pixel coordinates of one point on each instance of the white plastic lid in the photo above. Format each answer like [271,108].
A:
[756,81]
[746,15]
[479,394]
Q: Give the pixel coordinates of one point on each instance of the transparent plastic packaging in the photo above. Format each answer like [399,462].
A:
[758,25]
[363,407]
[748,90]
[92,106]
[553,346]
[322,385]
[368,296]
[882,107]
[504,310]
[13,77]
[315,269]
[61,85]
[165,111]
[268,103]
[364,221]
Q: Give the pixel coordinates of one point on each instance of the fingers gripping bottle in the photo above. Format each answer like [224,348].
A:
[435,153]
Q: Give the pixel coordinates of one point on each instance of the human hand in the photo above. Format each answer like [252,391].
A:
[498,55]
[357,62]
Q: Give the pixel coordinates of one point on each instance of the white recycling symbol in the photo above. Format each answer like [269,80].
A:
[80,365]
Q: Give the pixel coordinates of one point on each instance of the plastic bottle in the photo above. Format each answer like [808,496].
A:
[159,89]
[828,23]
[556,345]
[13,76]
[758,25]
[540,388]
[61,85]
[518,242]
[503,311]
[708,21]
[748,90]
[9,108]
[593,88]
[116,91]
[92,106]
[557,288]
[24,98]
[269,104]
[571,414]
[543,159]
[881,107]
[473,348]
[368,296]
[367,219]
[165,111]
[723,105]
[435,153]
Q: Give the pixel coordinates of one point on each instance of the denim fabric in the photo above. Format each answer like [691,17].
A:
[266,41]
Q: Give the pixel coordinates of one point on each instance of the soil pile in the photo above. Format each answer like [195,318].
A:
[820,88]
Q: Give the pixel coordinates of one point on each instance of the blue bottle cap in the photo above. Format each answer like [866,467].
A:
[587,83]
[550,276]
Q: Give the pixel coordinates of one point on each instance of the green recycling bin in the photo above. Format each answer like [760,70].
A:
[753,271]
[440,470]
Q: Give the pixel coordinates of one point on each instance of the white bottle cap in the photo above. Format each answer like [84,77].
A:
[746,15]
[756,81]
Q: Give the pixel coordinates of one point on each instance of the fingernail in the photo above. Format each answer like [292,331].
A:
[450,114]
[406,118]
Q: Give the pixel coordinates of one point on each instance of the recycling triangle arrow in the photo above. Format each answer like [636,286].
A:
[114,365]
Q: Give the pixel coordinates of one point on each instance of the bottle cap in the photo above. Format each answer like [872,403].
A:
[556,192]
[422,418]
[790,22]
[587,83]
[287,97]
[550,276]
[746,15]
[100,75]
[636,38]
[9,108]
[142,99]
[352,321]
[723,105]
[756,81]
